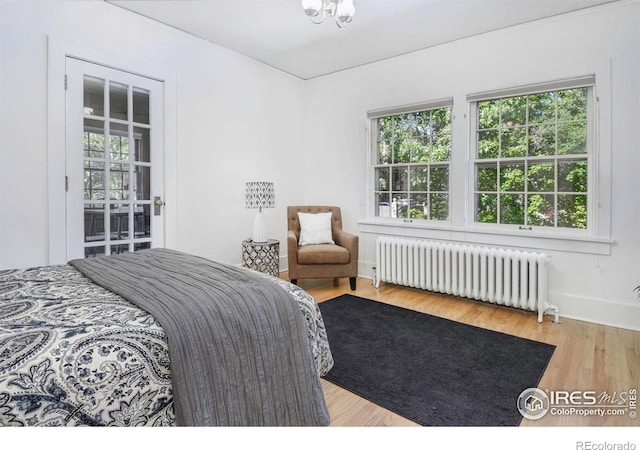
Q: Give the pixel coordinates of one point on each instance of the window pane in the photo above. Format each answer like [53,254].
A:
[119,141]
[514,142]
[119,220]
[487,177]
[384,152]
[542,140]
[419,178]
[142,179]
[142,141]
[400,178]
[385,128]
[540,210]
[140,105]
[406,125]
[572,138]
[512,177]
[402,151]
[137,246]
[400,205]
[541,177]
[382,179]
[93,223]
[420,149]
[118,104]
[142,221]
[439,180]
[383,205]
[487,208]
[572,104]
[488,144]
[488,114]
[441,149]
[94,187]
[441,120]
[572,176]
[92,252]
[120,248]
[418,206]
[512,208]
[513,111]
[119,181]
[439,206]
[93,138]
[572,211]
[542,108]
[93,96]
[424,127]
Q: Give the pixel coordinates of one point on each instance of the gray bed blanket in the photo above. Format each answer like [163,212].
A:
[237,342]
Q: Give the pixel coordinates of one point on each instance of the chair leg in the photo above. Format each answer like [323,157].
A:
[352,282]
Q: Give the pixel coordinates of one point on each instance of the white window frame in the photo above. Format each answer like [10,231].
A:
[372,118]
[587,81]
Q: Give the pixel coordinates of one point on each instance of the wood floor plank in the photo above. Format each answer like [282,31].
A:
[587,357]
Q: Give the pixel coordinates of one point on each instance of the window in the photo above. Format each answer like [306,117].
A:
[411,154]
[532,158]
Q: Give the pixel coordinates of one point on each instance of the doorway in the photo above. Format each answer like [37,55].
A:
[114,161]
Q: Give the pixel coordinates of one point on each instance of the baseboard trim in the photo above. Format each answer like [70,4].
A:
[610,313]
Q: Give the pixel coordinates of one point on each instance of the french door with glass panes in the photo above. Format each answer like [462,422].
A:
[114,161]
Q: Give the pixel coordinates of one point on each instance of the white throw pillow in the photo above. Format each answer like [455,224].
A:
[315,228]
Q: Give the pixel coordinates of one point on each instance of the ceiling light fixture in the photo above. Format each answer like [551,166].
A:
[317,10]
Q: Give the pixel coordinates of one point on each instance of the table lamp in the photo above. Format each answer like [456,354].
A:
[259,194]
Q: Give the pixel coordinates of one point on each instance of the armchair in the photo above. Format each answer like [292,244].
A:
[325,260]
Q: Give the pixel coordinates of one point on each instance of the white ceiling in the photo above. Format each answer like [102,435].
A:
[278,33]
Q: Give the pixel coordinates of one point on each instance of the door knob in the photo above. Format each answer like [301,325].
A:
[157,204]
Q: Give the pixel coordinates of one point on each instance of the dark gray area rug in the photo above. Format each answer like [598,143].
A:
[433,371]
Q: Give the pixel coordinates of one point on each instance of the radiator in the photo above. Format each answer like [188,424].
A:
[502,276]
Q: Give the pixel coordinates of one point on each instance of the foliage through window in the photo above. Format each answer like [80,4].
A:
[411,164]
[531,159]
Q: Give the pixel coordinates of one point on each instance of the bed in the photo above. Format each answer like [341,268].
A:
[113,341]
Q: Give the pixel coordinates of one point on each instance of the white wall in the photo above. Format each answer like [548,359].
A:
[237,120]
[588,280]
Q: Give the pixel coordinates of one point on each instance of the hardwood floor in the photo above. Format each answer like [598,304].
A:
[588,357]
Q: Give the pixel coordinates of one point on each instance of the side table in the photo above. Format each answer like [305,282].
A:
[262,256]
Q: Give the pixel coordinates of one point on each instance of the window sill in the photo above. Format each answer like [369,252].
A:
[526,239]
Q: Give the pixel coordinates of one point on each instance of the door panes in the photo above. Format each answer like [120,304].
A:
[117,167]
[94,176]
[142,220]
[140,105]
[93,138]
[119,141]
[118,101]
[119,181]
[142,144]
[93,96]
[142,183]
[94,228]
[119,222]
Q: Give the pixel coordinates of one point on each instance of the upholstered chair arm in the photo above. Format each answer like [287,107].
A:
[348,241]
[292,247]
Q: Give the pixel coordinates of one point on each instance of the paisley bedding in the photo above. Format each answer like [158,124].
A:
[73,353]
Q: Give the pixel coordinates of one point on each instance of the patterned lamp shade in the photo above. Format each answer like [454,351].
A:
[259,194]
